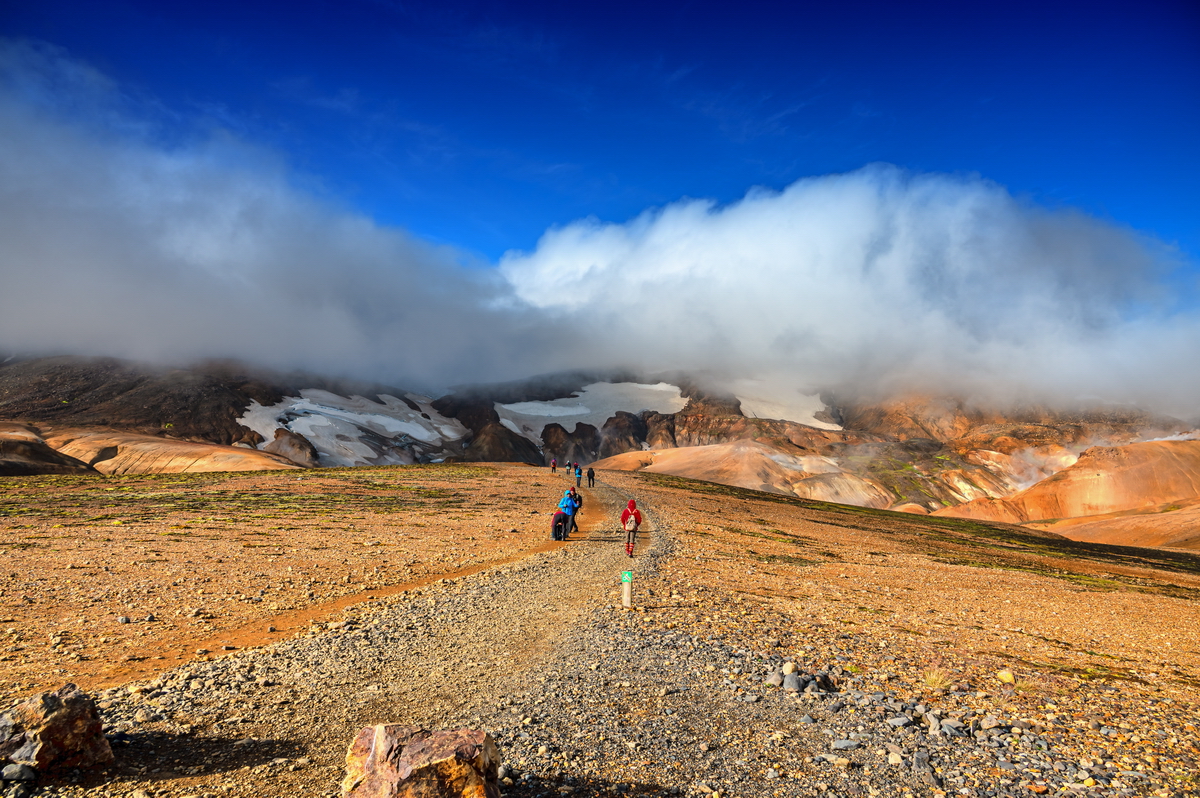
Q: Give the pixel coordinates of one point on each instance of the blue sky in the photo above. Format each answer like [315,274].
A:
[999,202]
[483,124]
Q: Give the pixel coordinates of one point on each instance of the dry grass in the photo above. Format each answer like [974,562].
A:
[936,678]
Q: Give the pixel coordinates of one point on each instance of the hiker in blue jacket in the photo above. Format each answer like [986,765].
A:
[568,507]
[578,475]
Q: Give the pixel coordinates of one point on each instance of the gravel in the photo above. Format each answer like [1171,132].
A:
[584,697]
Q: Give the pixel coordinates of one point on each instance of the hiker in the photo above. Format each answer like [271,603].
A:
[568,506]
[631,519]
[554,465]
[591,477]
[578,475]
[559,525]
[578,499]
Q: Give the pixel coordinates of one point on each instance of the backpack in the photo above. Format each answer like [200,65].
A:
[631,523]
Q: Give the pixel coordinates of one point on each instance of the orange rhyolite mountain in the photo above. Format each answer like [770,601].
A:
[1174,525]
[1105,479]
[754,465]
[114,452]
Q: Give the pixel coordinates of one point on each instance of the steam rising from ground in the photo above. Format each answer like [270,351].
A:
[112,242]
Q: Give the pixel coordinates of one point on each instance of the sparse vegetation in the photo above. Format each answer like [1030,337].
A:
[936,678]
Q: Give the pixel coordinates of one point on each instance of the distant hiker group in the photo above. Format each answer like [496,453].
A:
[566,516]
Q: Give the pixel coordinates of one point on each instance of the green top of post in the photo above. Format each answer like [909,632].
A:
[627,576]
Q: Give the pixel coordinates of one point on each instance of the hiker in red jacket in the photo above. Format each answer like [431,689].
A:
[631,519]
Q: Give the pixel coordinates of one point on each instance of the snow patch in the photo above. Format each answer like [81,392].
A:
[780,401]
[809,464]
[355,431]
[594,404]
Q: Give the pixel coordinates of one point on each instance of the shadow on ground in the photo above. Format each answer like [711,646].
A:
[158,756]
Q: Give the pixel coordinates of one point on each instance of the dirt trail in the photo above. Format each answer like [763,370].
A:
[895,633]
[432,654]
[264,631]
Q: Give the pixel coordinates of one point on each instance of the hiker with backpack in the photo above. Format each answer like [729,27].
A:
[567,507]
[631,519]
[560,524]
[591,477]
[578,475]
[578,499]
[553,465]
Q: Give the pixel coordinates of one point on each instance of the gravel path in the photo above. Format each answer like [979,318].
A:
[586,698]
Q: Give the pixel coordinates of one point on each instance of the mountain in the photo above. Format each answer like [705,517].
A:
[1171,525]
[289,419]
[1095,466]
[1138,477]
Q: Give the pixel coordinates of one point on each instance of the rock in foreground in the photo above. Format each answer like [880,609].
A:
[54,730]
[394,761]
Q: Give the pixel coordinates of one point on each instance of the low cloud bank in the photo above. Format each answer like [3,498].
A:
[113,242]
[878,279]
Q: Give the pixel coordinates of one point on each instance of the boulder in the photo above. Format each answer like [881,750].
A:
[54,730]
[396,761]
[294,447]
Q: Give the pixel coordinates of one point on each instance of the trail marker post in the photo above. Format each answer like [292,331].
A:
[627,589]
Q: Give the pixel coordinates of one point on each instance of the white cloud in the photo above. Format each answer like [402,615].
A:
[113,243]
[873,277]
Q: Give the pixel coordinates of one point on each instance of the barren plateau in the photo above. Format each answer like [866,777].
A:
[402,594]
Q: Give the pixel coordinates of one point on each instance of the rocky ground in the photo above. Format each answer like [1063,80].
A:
[777,647]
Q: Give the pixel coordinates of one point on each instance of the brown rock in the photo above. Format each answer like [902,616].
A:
[1174,525]
[294,447]
[496,443]
[660,430]
[54,730]
[473,412]
[199,403]
[582,445]
[395,761]
[622,433]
